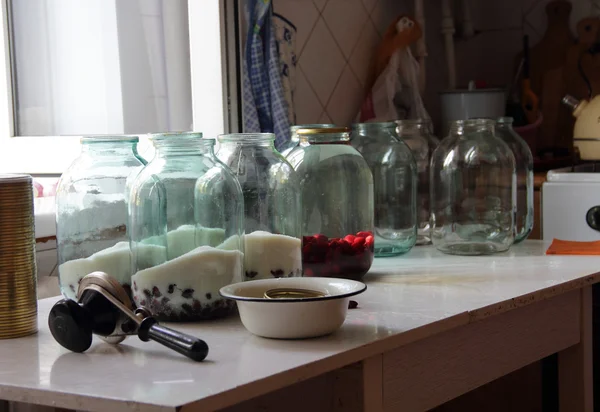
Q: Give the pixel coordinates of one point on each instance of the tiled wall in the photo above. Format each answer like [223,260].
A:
[336,38]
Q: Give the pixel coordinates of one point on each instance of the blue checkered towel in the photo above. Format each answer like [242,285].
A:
[265,106]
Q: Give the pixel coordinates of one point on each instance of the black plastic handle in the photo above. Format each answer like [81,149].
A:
[592,218]
[187,345]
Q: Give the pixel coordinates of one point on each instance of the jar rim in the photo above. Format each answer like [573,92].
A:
[175,135]
[109,138]
[505,120]
[296,127]
[326,131]
[480,121]
[413,122]
[374,125]
[246,137]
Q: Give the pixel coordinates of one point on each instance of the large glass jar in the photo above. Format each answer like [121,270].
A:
[294,139]
[473,191]
[524,166]
[337,204]
[395,186]
[271,205]
[91,211]
[415,133]
[186,222]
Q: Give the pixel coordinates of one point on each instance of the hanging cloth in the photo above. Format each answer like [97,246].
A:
[265,106]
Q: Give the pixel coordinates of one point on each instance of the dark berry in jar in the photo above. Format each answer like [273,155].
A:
[349,257]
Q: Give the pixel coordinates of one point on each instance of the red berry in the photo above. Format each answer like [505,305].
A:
[364,234]
[308,272]
[358,243]
[369,241]
[350,238]
[321,238]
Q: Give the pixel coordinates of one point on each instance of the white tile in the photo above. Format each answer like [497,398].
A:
[363,53]
[301,13]
[320,4]
[493,15]
[386,12]
[325,119]
[306,103]
[322,61]
[369,5]
[346,99]
[345,19]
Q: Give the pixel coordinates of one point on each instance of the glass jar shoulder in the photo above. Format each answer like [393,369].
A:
[473,150]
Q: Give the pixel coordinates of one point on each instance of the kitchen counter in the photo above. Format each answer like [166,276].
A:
[429,328]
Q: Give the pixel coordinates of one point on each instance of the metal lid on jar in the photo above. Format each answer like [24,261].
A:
[313,131]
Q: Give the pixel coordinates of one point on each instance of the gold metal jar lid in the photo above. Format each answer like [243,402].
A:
[332,130]
[293,293]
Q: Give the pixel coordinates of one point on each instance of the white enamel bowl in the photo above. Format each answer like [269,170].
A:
[293,318]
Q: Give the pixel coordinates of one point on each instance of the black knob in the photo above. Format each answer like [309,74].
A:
[71,325]
[187,345]
[592,218]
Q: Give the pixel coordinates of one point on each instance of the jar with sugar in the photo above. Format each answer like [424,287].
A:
[186,224]
[271,204]
[91,211]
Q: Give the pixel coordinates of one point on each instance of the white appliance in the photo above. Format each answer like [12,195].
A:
[571,203]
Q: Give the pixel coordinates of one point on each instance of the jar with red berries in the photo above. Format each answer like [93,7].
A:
[395,185]
[186,230]
[271,204]
[337,204]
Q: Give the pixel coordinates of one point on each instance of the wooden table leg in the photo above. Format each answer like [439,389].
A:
[373,384]
[575,378]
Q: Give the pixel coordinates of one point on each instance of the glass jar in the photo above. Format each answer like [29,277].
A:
[395,186]
[415,133]
[524,166]
[294,139]
[271,205]
[336,186]
[91,211]
[186,224]
[473,192]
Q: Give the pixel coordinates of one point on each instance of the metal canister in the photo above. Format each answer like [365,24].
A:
[18,271]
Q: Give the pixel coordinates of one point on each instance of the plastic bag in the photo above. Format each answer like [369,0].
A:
[395,94]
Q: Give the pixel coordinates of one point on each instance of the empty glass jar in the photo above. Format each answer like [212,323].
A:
[271,203]
[524,166]
[186,220]
[415,133]
[473,191]
[294,139]
[91,211]
[395,186]
[337,204]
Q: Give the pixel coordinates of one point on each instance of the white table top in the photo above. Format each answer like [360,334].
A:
[408,298]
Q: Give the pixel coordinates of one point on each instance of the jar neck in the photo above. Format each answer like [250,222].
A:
[182,144]
[504,123]
[264,140]
[412,126]
[366,128]
[98,147]
[462,127]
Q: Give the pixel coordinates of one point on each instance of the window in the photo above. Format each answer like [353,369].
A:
[70,68]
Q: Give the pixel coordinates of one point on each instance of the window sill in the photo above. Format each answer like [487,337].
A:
[45,218]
